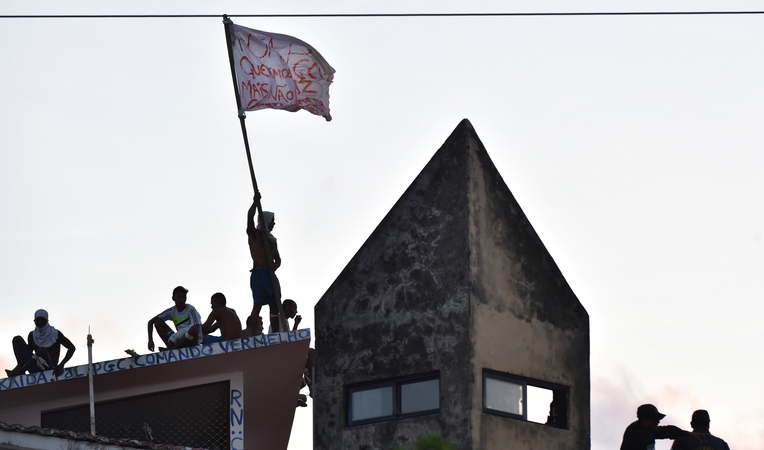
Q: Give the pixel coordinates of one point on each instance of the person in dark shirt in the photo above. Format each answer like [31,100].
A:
[42,349]
[700,423]
[641,435]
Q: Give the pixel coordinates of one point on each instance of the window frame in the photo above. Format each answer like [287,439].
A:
[525,382]
[396,384]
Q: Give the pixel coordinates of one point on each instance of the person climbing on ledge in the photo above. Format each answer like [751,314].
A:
[187,322]
[263,267]
[42,350]
[289,307]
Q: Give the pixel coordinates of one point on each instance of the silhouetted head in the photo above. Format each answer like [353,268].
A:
[701,421]
[270,219]
[649,416]
[217,300]
[40,318]
[179,295]
[290,308]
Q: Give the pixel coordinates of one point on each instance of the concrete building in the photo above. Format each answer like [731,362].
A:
[454,319]
[229,395]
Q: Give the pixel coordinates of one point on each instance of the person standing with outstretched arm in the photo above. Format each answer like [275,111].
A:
[641,435]
[261,282]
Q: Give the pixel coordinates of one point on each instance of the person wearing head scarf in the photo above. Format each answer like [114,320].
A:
[265,261]
[42,349]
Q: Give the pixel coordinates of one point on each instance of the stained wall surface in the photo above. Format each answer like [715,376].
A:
[453,280]
[526,321]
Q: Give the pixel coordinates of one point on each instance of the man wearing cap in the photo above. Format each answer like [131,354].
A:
[187,322]
[641,435]
[700,423]
[42,350]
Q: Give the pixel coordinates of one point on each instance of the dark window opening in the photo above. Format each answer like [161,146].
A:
[392,399]
[525,399]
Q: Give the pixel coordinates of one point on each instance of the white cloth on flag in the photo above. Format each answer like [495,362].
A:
[280,72]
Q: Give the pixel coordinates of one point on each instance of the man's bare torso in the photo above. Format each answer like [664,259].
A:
[228,323]
[257,251]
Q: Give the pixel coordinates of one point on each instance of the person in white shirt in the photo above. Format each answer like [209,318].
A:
[188,324]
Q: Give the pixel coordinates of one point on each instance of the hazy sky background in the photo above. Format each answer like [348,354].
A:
[633,144]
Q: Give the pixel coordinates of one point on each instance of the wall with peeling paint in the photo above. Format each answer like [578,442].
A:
[455,280]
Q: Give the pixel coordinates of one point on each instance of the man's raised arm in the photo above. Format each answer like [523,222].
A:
[251,214]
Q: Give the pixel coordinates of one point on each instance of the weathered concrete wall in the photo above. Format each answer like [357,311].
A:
[401,307]
[453,279]
[525,318]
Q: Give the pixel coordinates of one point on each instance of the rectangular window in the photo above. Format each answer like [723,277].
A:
[504,396]
[419,396]
[525,399]
[392,399]
[372,403]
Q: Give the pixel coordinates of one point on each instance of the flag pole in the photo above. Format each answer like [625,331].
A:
[284,326]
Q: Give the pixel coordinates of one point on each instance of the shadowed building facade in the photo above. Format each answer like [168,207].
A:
[453,319]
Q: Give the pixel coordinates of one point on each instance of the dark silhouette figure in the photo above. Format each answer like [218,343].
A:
[253,329]
[221,318]
[289,307]
[42,349]
[263,292]
[700,423]
[641,435]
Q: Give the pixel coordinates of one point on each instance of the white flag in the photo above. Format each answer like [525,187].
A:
[280,72]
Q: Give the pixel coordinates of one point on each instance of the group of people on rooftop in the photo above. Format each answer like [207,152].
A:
[41,351]
[190,331]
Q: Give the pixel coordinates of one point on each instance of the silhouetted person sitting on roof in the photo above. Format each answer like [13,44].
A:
[701,423]
[187,323]
[255,329]
[641,435]
[221,318]
[260,281]
[42,350]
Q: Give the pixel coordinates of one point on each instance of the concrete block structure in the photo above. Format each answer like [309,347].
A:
[452,318]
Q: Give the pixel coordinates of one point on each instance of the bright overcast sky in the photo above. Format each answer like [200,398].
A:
[633,144]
